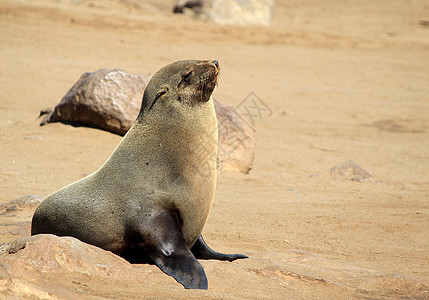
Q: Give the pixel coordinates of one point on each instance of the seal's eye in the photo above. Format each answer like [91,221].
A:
[185,79]
[163,91]
[187,76]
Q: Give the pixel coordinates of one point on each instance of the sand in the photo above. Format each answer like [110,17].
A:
[341,80]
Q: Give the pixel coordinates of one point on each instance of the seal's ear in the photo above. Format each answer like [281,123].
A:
[163,90]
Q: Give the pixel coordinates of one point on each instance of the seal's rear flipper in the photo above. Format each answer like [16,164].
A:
[166,246]
[202,251]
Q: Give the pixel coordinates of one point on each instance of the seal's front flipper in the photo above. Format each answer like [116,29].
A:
[166,246]
[202,251]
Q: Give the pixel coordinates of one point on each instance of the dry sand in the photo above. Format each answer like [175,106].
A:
[343,79]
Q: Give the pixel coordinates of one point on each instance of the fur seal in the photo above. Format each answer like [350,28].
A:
[150,200]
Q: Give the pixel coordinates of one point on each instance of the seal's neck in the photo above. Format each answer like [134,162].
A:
[174,141]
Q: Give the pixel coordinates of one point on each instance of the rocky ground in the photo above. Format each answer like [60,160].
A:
[334,81]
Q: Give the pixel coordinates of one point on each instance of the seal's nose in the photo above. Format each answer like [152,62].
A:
[216,63]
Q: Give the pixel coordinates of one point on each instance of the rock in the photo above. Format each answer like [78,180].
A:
[182,5]
[106,99]
[111,100]
[239,12]
[50,267]
[50,253]
[31,267]
[25,202]
[351,171]
[424,23]
[15,217]
[236,148]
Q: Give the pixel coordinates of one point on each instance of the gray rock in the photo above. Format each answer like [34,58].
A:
[238,12]
[111,100]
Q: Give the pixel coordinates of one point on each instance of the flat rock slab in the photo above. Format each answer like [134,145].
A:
[110,99]
[51,267]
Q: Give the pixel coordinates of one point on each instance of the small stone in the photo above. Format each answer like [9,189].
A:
[25,202]
[351,171]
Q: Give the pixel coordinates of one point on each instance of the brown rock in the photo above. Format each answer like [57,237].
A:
[236,148]
[51,267]
[31,266]
[106,99]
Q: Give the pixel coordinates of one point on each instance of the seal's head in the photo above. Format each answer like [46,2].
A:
[187,82]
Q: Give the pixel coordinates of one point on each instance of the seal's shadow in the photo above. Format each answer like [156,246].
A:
[79,125]
[137,255]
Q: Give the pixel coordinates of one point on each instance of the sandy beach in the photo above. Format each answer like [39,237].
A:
[341,80]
